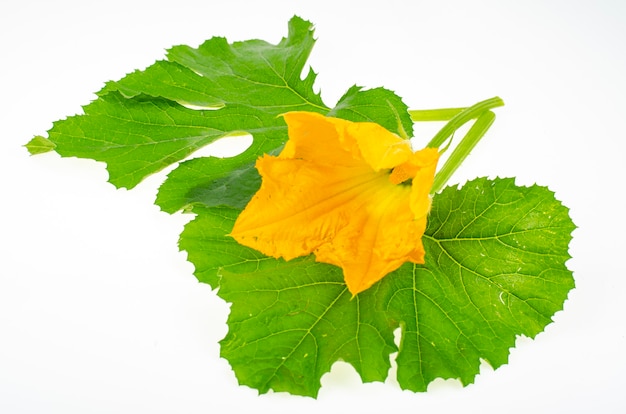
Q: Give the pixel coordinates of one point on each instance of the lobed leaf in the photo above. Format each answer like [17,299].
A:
[495,269]
[159,116]
[143,123]
[138,137]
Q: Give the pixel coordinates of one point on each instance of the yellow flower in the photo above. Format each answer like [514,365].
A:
[340,190]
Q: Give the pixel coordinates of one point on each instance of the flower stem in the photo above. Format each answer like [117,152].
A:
[425,115]
[469,141]
[457,117]
[463,117]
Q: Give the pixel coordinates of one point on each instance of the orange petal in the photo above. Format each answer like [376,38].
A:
[378,147]
[329,193]
[298,207]
[336,142]
[380,236]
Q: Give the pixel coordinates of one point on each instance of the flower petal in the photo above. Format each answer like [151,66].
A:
[335,141]
[380,236]
[299,206]
[330,193]
[421,167]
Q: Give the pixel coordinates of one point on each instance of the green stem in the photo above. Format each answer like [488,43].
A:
[469,141]
[426,115]
[461,118]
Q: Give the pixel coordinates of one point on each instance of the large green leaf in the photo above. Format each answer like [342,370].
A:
[495,269]
[140,136]
[142,123]
[156,117]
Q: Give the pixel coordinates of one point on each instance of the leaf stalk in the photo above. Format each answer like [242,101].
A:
[457,117]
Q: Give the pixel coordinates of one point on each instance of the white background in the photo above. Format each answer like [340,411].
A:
[100,313]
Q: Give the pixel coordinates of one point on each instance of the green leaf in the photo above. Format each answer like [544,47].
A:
[377,105]
[153,118]
[137,137]
[142,123]
[39,145]
[495,269]
[289,322]
[208,181]
[210,250]
[216,74]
